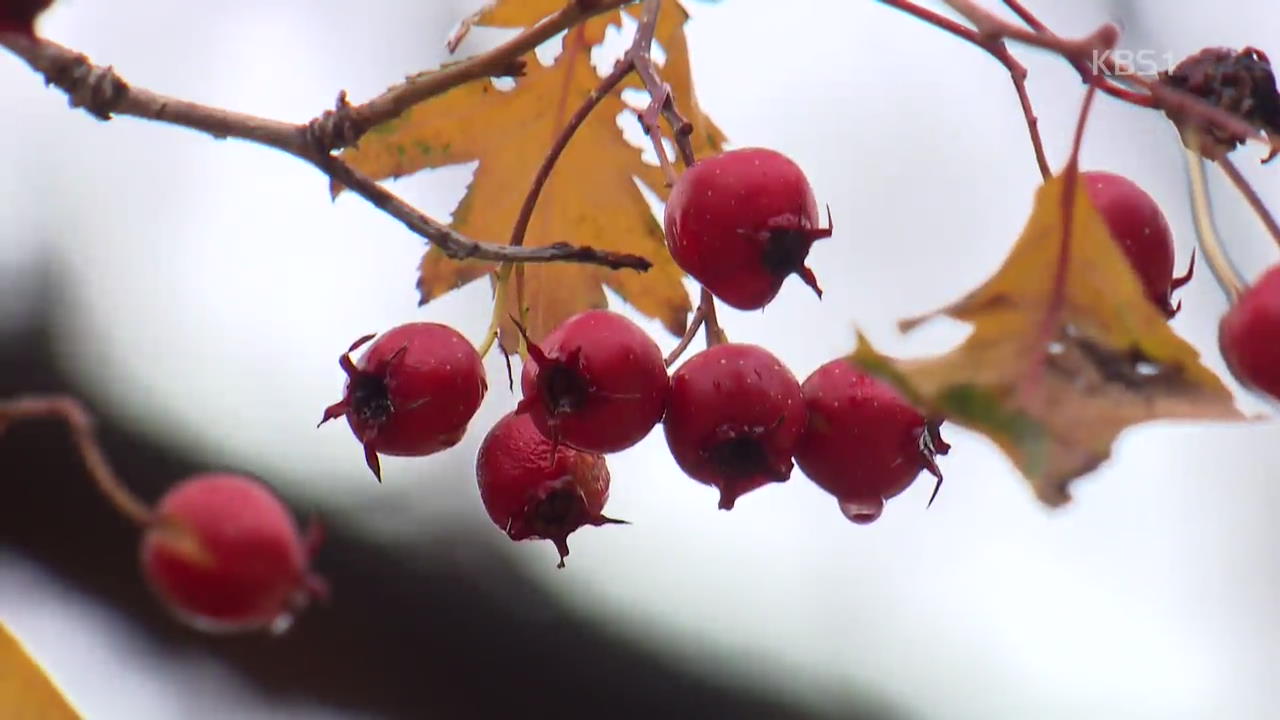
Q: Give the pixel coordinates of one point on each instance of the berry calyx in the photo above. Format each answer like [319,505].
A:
[1137,225]
[597,383]
[733,419]
[19,16]
[412,393]
[535,489]
[741,222]
[226,555]
[863,443]
[1249,335]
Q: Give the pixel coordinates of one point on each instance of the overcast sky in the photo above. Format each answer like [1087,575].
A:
[211,286]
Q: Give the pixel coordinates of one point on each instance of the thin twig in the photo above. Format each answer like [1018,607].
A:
[703,318]
[103,93]
[1052,323]
[601,91]
[695,324]
[711,324]
[661,101]
[1207,236]
[998,50]
[1090,56]
[1251,196]
[80,423]
[1026,16]
[521,227]
[454,244]
[496,62]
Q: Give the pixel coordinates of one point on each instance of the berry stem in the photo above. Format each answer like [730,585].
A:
[503,278]
[1211,246]
[1251,196]
[601,91]
[715,335]
[1026,16]
[998,50]
[704,316]
[80,422]
[1051,326]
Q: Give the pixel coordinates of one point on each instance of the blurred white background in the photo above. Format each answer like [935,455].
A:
[213,284]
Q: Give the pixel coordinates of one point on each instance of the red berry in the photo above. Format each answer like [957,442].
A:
[863,443]
[534,489]
[741,222]
[1249,335]
[225,555]
[597,383]
[412,393]
[1136,223]
[734,418]
[20,15]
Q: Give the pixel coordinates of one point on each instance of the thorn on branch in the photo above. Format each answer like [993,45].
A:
[514,68]
[606,258]
[99,90]
[336,128]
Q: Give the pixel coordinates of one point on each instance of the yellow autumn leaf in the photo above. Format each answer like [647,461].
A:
[1053,385]
[591,197]
[25,691]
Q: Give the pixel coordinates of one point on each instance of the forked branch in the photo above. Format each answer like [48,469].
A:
[105,94]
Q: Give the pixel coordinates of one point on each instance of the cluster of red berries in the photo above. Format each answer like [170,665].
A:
[734,417]
[226,554]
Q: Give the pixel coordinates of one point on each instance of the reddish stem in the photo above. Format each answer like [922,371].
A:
[80,422]
[1251,196]
[998,50]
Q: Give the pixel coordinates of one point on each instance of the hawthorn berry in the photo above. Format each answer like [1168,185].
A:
[533,488]
[741,222]
[734,418]
[1138,226]
[1249,335]
[863,443]
[19,16]
[597,383]
[226,555]
[412,393]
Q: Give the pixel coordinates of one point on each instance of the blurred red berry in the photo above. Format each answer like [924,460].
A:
[1138,226]
[19,16]
[1249,335]
[226,555]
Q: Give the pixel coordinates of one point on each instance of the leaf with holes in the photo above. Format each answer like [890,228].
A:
[1054,377]
[590,199]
